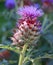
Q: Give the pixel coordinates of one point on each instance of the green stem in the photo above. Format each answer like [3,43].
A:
[22,54]
[16,50]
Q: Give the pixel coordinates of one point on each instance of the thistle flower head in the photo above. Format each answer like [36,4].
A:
[28,26]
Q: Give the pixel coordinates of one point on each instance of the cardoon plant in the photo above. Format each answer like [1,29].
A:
[31,35]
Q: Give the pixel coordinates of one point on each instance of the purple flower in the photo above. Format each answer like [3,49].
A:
[30,11]
[10,4]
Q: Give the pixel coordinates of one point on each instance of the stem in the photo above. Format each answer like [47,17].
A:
[22,54]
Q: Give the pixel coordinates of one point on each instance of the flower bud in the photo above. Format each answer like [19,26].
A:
[10,4]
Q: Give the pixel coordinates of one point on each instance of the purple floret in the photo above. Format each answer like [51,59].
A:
[30,11]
